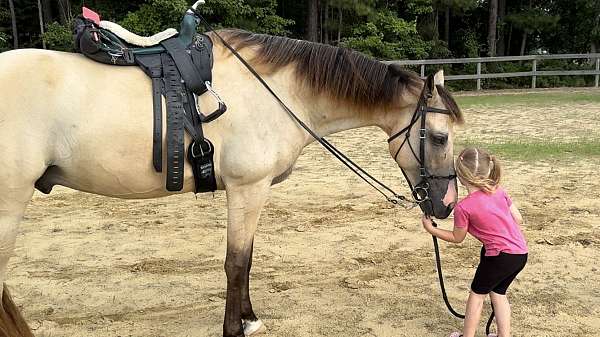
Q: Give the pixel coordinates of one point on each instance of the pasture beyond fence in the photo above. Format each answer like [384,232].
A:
[534,73]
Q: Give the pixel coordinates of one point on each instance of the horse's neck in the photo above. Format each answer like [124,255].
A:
[323,114]
[328,116]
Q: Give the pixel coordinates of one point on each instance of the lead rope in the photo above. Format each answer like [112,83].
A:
[395,198]
[438,262]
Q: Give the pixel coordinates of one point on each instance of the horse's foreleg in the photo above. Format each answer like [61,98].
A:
[252,325]
[244,205]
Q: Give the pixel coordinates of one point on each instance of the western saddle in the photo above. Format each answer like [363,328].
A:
[180,66]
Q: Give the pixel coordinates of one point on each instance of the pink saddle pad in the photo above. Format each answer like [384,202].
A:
[91,15]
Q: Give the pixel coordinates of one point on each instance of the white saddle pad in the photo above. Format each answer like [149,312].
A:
[134,39]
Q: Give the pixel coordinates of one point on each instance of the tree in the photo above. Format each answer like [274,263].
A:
[64,10]
[41,22]
[579,22]
[386,36]
[450,9]
[501,28]
[493,19]
[312,21]
[13,17]
[533,20]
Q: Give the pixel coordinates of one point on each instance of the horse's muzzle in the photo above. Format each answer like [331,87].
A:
[436,197]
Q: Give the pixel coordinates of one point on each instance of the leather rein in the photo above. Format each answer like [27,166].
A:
[420,192]
[390,195]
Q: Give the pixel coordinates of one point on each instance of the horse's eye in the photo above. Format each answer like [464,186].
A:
[439,139]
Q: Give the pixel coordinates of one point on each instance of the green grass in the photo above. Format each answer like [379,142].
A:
[537,150]
[538,98]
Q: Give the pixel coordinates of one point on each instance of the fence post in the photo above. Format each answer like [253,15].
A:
[534,78]
[422,70]
[597,70]
[478,76]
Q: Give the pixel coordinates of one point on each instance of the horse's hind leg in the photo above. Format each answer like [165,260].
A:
[17,179]
[12,323]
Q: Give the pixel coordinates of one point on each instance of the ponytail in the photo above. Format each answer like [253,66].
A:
[495,170]
[479,169]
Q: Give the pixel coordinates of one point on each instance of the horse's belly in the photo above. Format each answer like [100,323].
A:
[136,184]
[104,135]
[116,163]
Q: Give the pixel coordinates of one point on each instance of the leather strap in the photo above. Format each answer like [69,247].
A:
[175,124]
[152,66]
[202,57]
[157,134]
[200,156]
[200,152]
[182,114]
[183,60]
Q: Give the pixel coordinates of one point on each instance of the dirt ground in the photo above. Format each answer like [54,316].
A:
[331,257]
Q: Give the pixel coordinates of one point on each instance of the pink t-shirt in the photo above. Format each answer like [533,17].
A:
[487,217]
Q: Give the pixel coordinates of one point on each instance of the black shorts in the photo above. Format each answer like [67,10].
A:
[496,273]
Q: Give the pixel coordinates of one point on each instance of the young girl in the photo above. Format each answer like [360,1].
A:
[488,213]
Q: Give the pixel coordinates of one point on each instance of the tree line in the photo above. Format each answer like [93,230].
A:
[383,29]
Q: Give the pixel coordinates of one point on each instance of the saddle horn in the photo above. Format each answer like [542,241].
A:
[195,6]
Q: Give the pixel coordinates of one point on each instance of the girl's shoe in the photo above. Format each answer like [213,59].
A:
[455,334]
[492,335]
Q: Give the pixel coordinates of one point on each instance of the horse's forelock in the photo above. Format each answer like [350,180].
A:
[450,104]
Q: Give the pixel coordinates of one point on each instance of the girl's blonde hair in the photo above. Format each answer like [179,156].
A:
[478,168]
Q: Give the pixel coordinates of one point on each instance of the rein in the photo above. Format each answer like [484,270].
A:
[420,192]
[391,196]
[438,263]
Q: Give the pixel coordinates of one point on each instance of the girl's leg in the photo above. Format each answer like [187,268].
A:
[473,313]
[502,312]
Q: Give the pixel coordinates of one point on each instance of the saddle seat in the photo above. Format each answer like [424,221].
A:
[137,40]
[118,40]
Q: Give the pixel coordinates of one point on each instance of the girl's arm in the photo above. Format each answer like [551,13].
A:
[456,236]
[514,211]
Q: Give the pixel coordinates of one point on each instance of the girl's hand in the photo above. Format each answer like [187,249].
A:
[427,223]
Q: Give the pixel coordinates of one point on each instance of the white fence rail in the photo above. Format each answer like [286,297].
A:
[534,73]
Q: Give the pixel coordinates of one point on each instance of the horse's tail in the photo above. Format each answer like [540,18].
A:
[12,323]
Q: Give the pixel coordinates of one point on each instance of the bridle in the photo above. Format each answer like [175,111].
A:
[420,191]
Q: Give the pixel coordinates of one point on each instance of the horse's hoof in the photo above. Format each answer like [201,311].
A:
[253,328]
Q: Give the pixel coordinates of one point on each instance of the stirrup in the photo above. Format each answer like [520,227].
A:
[215,114]
[137,40]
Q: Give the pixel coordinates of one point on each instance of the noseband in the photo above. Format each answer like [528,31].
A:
[420,191]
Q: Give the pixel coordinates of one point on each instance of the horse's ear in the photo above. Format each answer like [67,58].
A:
[438,78]
[431,84]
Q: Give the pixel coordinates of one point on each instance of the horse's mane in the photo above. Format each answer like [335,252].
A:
[342,73]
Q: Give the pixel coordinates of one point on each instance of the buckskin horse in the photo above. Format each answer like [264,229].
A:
[66,120]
